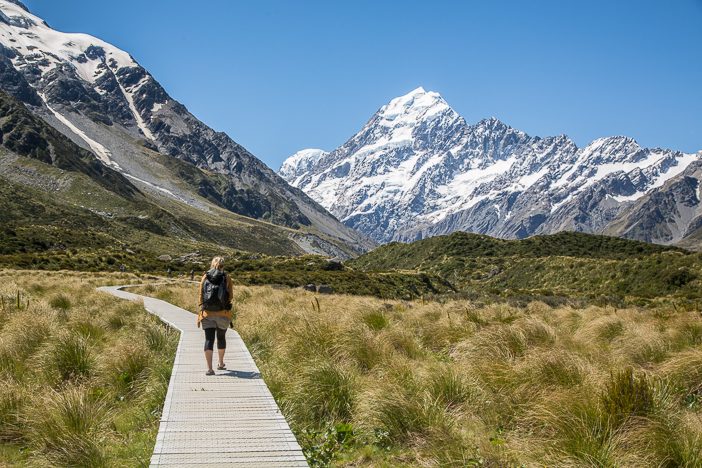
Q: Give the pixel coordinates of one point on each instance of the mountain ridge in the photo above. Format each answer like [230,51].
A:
[418,169]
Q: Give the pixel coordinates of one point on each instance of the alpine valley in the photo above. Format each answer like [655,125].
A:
[92,147]
[417,170]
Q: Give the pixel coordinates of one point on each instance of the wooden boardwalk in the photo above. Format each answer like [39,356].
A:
[229,419]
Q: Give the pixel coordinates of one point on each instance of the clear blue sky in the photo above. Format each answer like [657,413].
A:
[279,76]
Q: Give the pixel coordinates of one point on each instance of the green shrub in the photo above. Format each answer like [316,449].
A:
[116,321]
[157,336]
[403,414]
[129,367]
[610,330]
[321,448]
[88,329]
[583,435]
[678,278]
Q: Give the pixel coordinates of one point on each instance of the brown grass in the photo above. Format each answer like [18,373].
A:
[83,375]
[464,384]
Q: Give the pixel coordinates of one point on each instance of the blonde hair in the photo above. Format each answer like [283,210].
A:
[217,262]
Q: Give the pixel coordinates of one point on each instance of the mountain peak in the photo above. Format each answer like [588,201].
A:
[300,162]
[308,154]
[492,123]
[416,105]
[418,169]
[31,38]
[613,144]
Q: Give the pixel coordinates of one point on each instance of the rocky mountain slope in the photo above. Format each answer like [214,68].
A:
[105,102]
[61,206]
[417,169]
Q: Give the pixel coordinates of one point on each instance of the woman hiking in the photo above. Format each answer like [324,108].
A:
[215,304]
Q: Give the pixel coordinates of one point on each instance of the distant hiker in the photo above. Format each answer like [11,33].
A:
[122,268]
[192,275]
[215,304]
[169,272]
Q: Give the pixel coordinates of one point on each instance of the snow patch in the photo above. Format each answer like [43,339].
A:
[139,120]
[157,107]
[102,153]
[55,47]
[157,187]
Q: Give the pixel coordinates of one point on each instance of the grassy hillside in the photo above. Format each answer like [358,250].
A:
[566,264]
[83,377]
[368,382]
[435,251]
[50,214]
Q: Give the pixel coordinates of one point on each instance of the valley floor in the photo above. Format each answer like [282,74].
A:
[363,381]
[371,382]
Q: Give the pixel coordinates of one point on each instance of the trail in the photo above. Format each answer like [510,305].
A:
[229,419]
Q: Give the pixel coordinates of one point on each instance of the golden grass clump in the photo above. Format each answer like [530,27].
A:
[69,427]
[75,389]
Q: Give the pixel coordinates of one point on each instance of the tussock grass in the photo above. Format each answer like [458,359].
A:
[71,357]
[375,320]
[461,383]
[75,388]
[12,399]
[69,427]
[128,365]
[60,301]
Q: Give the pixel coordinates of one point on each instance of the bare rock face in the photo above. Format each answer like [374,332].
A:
[100,97]
[417,169]
[669,214]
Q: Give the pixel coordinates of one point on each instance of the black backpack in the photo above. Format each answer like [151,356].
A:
[214,291]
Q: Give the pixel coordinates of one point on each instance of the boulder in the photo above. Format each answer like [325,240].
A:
[325,289]
[310,287]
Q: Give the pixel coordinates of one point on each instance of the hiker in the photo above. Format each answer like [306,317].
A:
[192,275]
[215,304]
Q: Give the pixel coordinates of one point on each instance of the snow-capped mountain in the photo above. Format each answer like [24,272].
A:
[300,163]
[417,169]
[101,98]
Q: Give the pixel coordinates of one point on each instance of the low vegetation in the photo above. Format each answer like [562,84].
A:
[371,382]
[461,351]
[83,376]
[559,268]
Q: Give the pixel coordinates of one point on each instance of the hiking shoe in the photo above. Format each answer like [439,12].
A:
[210,372]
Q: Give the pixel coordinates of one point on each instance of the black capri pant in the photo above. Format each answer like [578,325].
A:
[210,337]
